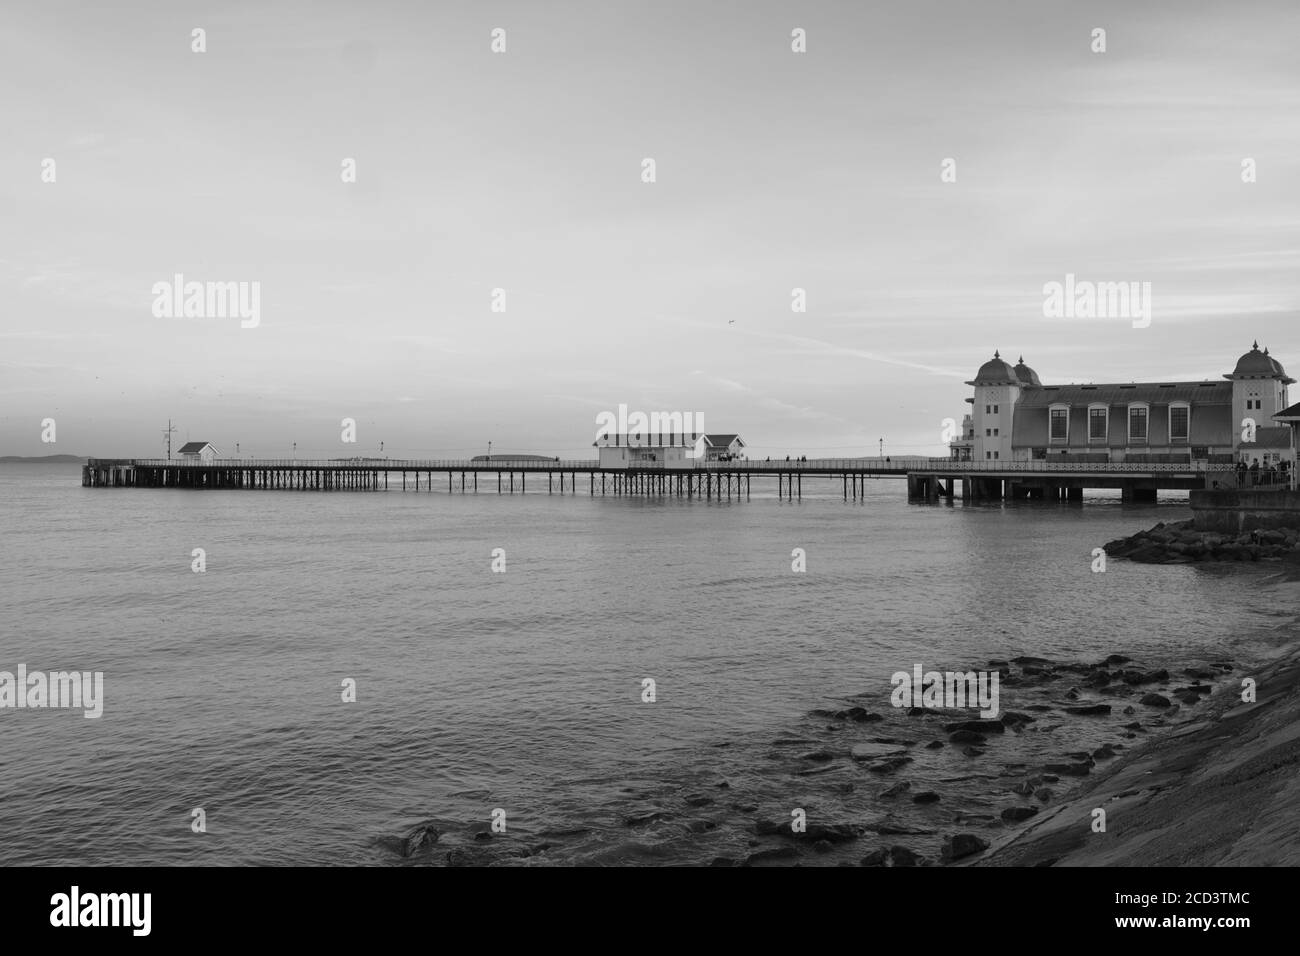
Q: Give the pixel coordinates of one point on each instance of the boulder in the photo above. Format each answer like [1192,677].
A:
[1017,814]
[963,845]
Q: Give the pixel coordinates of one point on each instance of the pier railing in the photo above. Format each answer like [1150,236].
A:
[895,466]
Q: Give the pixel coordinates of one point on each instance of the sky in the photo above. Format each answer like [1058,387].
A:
[523,171]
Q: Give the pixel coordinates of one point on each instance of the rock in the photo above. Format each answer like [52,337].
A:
[1155,700]
[1133,726]
[902,856]
[775,853]
[1012,719]
[422,837]
[819,756]
[1068,769]
[861,715]
[871,751]
[746,807]
[1145,677]
[875,858]
[966,737]
[889,765]
[1117,659]
[926,796]
[1189,697]
[822,846]
[698,800]
[1032,661]
[934,745]
[724,861]
[897,790]
[994,726]
[972,752]
[1050,778]
[1016,814]
[1023,789]
[1104,752]
[1129,711]
[1043,793]
[963,845]
[483,836]
[832,832]
[701,826]
[458,856]
[1089,710]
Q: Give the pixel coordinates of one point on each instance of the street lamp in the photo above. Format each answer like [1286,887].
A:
[882,448]
[489,449]
[295,450]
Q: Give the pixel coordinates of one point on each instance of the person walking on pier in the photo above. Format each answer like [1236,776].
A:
[1254,473]
[1241,473]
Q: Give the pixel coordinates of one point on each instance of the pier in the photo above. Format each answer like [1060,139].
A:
[928,479]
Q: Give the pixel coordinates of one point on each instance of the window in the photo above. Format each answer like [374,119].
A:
[988,409]
[988,454]
[995,409]
[1179,423]
[1098,418]
[1060,423]
[995,454]
[988,433]
[1137,423]
[995,433]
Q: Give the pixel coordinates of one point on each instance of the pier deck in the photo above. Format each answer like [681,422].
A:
[927,478]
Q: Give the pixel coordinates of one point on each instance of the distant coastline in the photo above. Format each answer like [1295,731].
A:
[42,459]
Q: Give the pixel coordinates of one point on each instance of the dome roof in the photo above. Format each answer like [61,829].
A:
[996,372]
[1024,374]
[1257,364]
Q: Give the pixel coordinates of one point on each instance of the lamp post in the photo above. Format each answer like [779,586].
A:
[882,448]
[295,451]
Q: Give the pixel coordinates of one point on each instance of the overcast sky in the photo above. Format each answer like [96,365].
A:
[523,171]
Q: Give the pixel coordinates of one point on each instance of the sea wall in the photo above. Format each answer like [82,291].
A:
[1233,511]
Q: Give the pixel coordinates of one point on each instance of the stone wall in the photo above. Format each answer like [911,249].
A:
[1233,511]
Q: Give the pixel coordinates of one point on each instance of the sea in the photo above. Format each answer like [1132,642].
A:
[540,678]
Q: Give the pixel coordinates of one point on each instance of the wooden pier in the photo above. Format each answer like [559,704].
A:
[928,479]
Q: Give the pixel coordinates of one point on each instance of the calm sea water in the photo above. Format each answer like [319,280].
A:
[521,691]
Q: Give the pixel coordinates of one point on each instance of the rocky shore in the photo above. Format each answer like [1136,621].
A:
[1180,543]
[1220,790]
[877,785]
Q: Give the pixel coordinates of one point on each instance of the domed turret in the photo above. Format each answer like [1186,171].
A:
[1024,374]
[1257,364]
[995,372]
